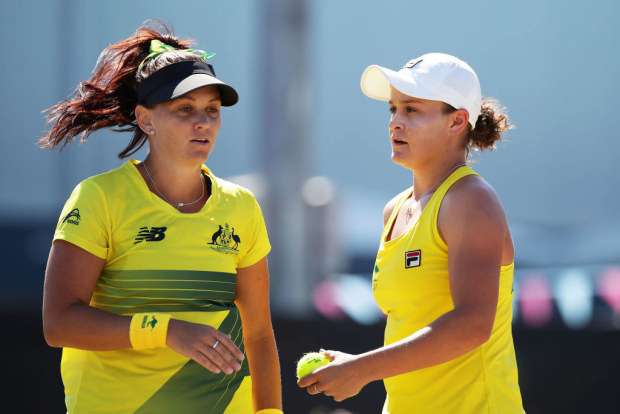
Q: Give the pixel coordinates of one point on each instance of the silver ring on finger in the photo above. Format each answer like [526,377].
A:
[215,344]
[315,389]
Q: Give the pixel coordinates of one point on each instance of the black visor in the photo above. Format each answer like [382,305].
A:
[177,79]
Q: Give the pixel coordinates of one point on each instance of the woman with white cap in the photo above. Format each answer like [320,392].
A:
[444,269]
[155,305]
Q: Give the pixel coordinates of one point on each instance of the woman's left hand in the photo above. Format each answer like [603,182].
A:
[340,379]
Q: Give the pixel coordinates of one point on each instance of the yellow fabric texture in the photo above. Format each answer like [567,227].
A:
[411,286]
[158,260]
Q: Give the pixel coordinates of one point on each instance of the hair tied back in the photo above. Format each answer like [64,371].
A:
[157,47]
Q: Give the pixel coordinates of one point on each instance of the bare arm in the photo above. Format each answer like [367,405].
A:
[69,321]
[259,340]
[472,223]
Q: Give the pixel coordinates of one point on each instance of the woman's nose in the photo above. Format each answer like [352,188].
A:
[395,121]
[203,120]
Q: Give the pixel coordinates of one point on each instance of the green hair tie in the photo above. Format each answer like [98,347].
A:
[158,47]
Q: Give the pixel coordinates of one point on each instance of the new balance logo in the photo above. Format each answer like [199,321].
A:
[413,258]
[73,217]
[154,234]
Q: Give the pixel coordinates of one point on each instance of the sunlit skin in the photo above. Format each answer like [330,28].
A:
[185,133]
[185,128]
[428,141]
[424,139]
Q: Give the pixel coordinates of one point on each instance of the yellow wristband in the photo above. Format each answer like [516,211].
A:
[148,330]
[270,411]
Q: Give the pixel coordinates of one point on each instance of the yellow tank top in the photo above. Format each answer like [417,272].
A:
[411,286]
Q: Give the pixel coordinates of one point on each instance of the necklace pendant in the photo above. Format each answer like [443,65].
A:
[180,205]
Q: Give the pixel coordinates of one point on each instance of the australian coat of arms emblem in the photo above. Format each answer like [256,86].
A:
[224,240]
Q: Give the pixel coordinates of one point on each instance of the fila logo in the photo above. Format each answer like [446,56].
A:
[413,258]
[73,217]
[154,234]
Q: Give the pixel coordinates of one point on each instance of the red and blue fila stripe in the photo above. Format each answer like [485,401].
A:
[413,258]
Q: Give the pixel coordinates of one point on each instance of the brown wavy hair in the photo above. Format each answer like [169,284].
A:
[108,99]
[490,126]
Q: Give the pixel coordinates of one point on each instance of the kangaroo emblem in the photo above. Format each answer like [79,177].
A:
[152,323]
[216,236]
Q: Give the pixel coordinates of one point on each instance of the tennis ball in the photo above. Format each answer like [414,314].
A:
[309,362]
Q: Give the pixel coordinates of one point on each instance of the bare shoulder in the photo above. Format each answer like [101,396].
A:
[475,190]
[473,200]
[389,207]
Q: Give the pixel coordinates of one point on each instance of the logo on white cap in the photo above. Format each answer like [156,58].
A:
[412,63]
[433,76]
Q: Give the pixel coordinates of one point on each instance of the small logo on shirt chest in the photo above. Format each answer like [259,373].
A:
[413,258]
[224,240]
[154,234]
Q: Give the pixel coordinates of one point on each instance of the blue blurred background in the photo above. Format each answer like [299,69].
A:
[316,153]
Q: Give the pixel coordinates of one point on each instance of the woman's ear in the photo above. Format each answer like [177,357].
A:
[143,118]
[459,121]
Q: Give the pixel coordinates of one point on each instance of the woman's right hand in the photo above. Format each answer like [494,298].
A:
[196,341]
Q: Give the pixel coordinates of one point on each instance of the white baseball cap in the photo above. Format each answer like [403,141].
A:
[434,76]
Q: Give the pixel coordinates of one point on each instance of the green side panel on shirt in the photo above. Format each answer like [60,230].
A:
[131,291]
[194,389]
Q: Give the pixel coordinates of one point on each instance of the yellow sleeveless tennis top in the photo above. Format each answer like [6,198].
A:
[411,286]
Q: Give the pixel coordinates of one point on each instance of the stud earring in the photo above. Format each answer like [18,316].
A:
[152,132]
